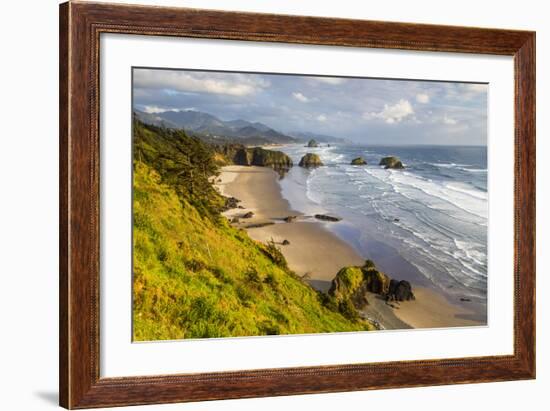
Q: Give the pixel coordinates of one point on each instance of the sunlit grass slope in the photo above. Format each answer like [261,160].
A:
[196,276]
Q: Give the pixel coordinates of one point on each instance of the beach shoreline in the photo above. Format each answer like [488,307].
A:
[317,254]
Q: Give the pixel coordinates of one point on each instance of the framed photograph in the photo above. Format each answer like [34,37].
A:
[259,205]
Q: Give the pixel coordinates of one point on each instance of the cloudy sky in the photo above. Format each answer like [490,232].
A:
[370,111]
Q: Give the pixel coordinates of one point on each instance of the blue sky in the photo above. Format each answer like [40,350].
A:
[369,111]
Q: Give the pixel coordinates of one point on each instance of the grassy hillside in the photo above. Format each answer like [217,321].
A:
[195,275]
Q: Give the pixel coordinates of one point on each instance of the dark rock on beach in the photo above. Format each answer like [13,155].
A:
[231,202]
[250,214]
[290,218]
[400,291]
[376,281]
[391,162]
[286,242]
[310,160]
[359,161]
[325,217]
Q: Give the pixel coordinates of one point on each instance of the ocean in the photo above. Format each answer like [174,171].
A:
[426,223]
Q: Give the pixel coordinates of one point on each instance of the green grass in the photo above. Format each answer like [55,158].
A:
[350,279]
[195,276]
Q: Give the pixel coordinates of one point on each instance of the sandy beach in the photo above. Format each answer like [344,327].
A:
[318,254]
[313,251]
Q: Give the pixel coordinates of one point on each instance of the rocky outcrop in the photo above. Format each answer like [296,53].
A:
[270,158]
[290,219]
[400,291]
[359,161]
[310,160]
[325,217]
[391,162]
[350,287]
[230,203]
[376,281]
[242,157]
[257,156]
[312,143]
[250,214]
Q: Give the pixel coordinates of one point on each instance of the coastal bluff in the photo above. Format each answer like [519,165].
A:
[195,275]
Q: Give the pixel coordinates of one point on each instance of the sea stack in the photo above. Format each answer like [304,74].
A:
[391,162]
[310,160]
[359,161]
[312,143]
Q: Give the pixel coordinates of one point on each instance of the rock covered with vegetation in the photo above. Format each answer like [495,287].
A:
[391,162]
[348,290]
[253,156]
[349,286]
[310,160]
[197,276]
[312,143]
[270,158]
[359,161]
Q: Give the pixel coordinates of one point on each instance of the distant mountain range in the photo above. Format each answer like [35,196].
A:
[214,129]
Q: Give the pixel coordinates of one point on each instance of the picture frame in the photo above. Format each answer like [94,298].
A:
[81,25]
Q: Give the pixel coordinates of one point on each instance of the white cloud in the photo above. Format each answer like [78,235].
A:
[464,91]
[157,109]
[154,109]
[300,97]
[181,81]
[449,120]
[393,114]
[423,98]
[322,118]
[330,80]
